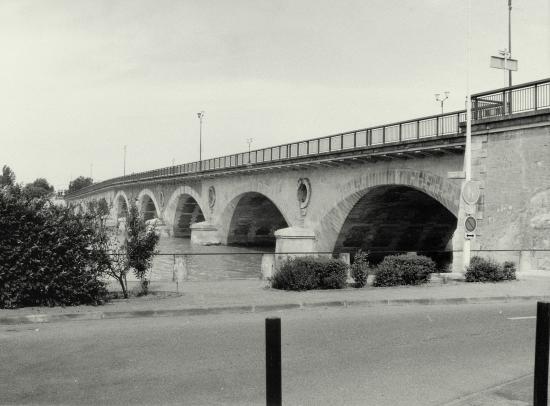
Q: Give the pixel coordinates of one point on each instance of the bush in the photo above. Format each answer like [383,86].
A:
[48,255]
[305,273]
[360,268]
[509,270]
[332,273]
[488,270]
[404,269]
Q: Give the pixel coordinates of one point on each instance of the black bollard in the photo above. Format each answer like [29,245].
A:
[273,361]
[540,390]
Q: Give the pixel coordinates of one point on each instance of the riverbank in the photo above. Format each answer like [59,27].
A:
[212,297]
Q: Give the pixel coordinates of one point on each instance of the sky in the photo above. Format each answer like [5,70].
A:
[79,79]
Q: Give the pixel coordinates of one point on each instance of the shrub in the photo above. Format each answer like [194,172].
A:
[509,270]
[305,273]
[404,269]
[332,273]
[360,268]
[488,270]
[48,255]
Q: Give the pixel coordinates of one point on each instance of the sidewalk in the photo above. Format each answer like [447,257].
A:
[252,295]
[518,392]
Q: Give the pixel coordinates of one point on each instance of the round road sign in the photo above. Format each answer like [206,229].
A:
[470,224]
[470,192]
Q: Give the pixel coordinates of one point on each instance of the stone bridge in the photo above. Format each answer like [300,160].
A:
[382,189]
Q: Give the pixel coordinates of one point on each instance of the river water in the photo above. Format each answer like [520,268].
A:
[206,263]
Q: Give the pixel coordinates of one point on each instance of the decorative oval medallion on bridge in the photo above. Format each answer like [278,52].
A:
[211,196]
[304,192]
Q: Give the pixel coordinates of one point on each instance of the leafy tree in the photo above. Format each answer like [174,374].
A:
[135,252]
[99,209]
[48,254]
[141,243]
[103,207]
[80,183]
[8,177]
[39,188]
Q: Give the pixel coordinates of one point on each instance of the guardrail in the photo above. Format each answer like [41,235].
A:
[426,127]
[530,96]
[522,98]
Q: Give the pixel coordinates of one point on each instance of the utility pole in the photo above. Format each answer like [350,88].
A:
[200,115]
[442,99]
[510,38]
[466,248]
[124,161]
[249,141]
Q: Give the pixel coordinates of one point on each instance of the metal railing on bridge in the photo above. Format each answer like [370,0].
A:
[522,98]
[531,96]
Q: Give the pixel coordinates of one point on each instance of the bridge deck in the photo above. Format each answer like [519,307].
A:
[438,134]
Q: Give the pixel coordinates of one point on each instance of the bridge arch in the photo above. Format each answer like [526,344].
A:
[184,209]
[393,210]
[121,204]
[251,218]
[148,205]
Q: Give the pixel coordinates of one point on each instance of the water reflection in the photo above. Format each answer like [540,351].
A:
[229,262]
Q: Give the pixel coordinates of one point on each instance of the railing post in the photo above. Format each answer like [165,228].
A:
[383,135]
[400,133]
[369,138]
[458,123]
[536,97]
[436,126]
[417,129]
[504,103]
[355,140]
[329,144]
[273,361]
[540,389]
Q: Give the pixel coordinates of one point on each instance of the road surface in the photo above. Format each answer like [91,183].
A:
[387,355]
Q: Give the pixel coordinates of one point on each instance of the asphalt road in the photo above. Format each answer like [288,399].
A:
[417,355]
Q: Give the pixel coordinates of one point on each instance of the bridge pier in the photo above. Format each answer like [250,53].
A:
[204,233]
[296,240]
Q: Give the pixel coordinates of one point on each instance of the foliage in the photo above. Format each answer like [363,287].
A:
[39,188]
[99,208]
[79,183]
[103,207]
[135,252]
[488,270]
[8,177]
[304,273]
[295,274]
[48,254]
[405,269]
[509,270]
[141,243]
[360,268]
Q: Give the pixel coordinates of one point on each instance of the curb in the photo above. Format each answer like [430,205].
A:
[203,311]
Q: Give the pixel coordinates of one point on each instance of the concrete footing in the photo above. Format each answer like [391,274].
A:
[293,242]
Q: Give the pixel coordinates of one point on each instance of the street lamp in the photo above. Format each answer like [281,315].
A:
[200,115]
[249,141]
[438,98]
